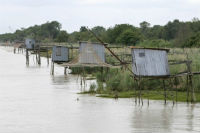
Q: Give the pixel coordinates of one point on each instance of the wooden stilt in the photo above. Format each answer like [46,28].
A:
[47,56]
[72,53]
[65,70]
[191,89]
[52,68]
[135,94]
[27,57]
[36,56]
[139,91]
[14,50]
[148,98]
[187,87]
[165,92]
[172,91]
[39,58]
[176,83]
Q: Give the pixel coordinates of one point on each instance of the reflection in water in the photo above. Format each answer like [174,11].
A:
[192,123]
[60,79]
[33,101]
[154,118]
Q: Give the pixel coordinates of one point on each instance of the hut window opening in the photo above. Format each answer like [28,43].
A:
[58,51]
[141,54]
[29,42]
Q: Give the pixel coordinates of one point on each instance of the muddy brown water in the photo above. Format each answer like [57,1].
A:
[32,101]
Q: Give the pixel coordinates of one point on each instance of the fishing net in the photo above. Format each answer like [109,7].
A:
[89,57]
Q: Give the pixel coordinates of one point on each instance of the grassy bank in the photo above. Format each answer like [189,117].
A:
[152,95]
[117,82]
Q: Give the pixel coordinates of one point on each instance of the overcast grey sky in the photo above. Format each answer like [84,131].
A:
[72,14]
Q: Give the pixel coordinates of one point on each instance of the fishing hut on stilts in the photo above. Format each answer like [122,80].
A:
[60,55]
[151,63]
[18,47]
[90,54]
[35,48]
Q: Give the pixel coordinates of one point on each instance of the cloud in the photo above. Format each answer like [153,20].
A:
[96,1]
[194,1]
[75,13]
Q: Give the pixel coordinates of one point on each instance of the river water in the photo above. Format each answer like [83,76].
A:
[32,101]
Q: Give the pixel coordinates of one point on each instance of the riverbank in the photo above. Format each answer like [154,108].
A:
[119,80]
[152,95]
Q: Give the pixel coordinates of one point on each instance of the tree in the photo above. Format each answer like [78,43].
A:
[145,27]
[156,32]
[183,34]
[195,19]
[193,41]
[171,29]
[62,36]
[114,32]
[98,30]
[83,29]
[129,37]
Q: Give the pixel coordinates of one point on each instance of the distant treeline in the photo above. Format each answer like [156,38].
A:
[173,34]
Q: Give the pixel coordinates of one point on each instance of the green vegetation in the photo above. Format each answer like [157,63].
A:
[173,34]
[117,82]
[41,33]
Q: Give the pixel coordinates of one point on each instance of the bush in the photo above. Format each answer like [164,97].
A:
[119,81]
[92,87]
[159,43]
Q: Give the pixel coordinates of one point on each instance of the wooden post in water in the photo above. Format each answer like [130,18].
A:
[39,59]
[36,56]
[65,70]
[187,87]
[165,92]
[52,68]
[176,83]
[47,56]
[139,90]
[136,93]
[72,52]
[188,73]
[27,57]
[189,76]
[192,89]
[172,86]
[14,50]
[148,97]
